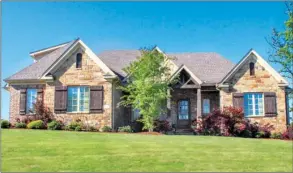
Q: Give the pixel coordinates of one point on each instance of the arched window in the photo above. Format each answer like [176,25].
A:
[251,68]
[78,60]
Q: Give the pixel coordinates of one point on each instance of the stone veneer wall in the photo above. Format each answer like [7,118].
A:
[263,81]
[191,94]
[67,74]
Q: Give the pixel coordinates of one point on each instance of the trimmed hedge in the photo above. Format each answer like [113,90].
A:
[5,124]
[38,124]
[20,125]
[55,125]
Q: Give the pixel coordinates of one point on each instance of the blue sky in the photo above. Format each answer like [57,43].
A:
[228,28]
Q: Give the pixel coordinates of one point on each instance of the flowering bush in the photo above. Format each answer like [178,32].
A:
[231,122]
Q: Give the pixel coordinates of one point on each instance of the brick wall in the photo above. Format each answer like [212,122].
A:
[263,81]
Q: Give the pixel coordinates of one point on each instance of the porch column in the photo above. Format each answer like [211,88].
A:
[168,104]
[198,112]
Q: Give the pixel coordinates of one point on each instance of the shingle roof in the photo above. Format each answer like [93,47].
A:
[38,68]
[208,67]
[116,60]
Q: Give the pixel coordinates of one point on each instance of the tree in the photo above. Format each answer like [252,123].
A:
[281,43]
[147,85]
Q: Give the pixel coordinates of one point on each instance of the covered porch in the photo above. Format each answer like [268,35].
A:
[190,100]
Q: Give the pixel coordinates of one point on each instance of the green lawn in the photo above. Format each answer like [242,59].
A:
[35,150]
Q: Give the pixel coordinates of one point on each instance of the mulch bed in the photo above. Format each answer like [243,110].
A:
[149,133]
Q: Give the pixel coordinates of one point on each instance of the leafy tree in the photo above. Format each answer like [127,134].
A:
[147,85]
[281,43]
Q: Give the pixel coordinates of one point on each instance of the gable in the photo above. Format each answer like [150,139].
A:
[261,67]
[186,78]
[90,72]
[79,46]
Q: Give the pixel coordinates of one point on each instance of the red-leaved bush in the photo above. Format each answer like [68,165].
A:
[288,134]
[231,122]
[162,126]
[41,112]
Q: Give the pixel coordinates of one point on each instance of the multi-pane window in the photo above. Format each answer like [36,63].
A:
[253,104]
[183,110]
[31,98]
[206,106]
[78,99]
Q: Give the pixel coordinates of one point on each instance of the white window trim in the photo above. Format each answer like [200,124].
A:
[253,106]
[78,100]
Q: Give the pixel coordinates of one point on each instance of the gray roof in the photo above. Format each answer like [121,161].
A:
[116,60]
[38,68]
[208,67]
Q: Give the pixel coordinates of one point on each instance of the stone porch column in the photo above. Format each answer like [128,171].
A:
[198,104]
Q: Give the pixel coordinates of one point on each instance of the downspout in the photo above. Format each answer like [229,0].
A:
[286,107]
[113,118]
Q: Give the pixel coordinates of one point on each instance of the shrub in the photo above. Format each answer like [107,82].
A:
[92,128]
[73,125]
[288,134]
[77,128]
[20,125]
[276,135]
[125,129]
[55,125]
[43,113]
[106,129]
[226,122]
[162,126]
[38,124]
[136,126]
[5,124]
[231,122]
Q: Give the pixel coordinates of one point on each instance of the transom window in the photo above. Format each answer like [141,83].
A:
[78,99]
[31,98]
[183,112]
[206,106]
[253,104]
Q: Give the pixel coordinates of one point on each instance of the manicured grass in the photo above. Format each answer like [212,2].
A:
[36,150]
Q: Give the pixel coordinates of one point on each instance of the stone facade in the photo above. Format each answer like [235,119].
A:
[68,75]
[92,75]
[262,81]
[191,95]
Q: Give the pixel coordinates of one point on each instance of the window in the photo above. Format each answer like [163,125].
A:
[78,60]
[31,98]
[253,104]
[183,110]
[251,68]
[206,106]
[78,99]
[135,114]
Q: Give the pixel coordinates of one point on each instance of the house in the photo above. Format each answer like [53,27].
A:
[75,83]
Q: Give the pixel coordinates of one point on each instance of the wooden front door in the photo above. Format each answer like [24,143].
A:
[183,116]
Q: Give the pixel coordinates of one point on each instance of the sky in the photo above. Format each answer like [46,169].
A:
[228,28]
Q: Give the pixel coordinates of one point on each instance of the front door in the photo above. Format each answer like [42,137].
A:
[183,118]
